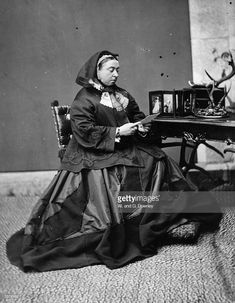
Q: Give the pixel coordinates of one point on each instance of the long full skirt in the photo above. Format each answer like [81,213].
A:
[111,216]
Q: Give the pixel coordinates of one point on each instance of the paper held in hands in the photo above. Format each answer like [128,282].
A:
[147,119]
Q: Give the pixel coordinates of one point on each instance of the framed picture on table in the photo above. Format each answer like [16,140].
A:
[155,102]
[188,102]
[178,110]
[168,103]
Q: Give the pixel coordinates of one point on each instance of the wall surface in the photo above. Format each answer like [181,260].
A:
[43,45]
[212,26]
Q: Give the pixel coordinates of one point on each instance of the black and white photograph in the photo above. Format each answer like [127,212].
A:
[155,102]
[178,102]
[117,151]
[168,103]
[188,102]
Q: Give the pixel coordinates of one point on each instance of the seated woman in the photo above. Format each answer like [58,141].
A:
[81,219]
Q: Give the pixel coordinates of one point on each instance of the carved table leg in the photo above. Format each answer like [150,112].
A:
[193,142]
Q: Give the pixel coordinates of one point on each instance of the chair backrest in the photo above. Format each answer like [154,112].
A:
[61,116]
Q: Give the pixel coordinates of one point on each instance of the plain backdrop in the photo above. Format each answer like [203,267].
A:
[43,45]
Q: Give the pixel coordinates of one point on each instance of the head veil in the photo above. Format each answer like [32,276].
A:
[87,74]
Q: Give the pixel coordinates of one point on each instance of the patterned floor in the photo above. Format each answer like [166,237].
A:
[179,273]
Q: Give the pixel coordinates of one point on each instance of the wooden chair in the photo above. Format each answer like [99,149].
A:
[61,116]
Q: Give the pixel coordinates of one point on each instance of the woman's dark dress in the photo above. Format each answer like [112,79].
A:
[78,220]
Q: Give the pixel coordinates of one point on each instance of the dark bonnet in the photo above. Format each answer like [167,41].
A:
[88,71]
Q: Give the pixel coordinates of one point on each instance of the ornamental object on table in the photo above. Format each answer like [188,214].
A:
[215,108]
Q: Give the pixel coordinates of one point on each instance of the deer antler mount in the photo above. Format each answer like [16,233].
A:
[215,109]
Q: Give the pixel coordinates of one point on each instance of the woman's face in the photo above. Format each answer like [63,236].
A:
[108,72]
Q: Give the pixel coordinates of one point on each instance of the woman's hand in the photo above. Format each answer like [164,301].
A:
[128,129]
[144,129]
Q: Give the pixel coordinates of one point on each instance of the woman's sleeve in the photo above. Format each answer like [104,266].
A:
[85,130]
[134,113]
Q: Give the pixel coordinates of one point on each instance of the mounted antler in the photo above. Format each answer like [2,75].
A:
[219,105]
[211,95]
[216,109]
[226,56]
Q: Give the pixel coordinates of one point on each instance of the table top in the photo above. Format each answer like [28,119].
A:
[212,128]
[228,121]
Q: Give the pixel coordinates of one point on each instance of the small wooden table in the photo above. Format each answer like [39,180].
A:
[212,129]
[195,131]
